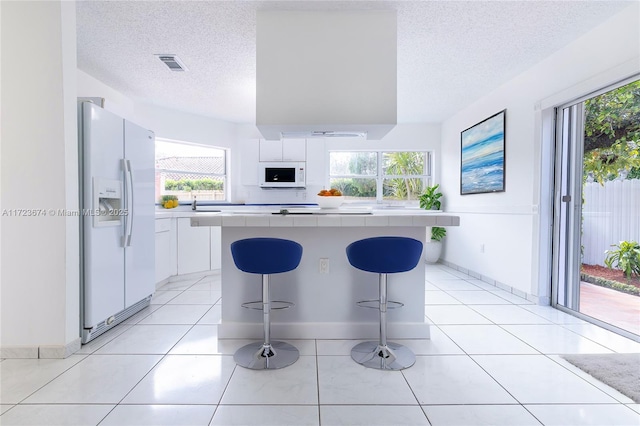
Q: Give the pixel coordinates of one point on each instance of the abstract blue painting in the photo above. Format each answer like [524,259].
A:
[482,162]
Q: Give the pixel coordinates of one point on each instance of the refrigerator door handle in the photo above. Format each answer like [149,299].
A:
[128,203]
[130,195]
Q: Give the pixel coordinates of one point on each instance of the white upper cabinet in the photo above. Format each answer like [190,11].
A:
[270,150]
[294,150]
[283,150]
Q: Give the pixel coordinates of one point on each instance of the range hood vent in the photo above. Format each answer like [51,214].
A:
[323,134]
[326,73]
[334,134]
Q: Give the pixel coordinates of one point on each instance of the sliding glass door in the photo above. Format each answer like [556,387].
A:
[597,200]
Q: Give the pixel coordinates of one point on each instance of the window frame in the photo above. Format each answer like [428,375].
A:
[380,177]
[223,176]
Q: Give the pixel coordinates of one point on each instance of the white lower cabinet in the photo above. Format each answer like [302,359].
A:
[166,249]
[194,247]
[216,249]
[182,249]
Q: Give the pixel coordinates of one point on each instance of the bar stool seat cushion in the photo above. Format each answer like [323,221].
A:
[385,255]
[266,255]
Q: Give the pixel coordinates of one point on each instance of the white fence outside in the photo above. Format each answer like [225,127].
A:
[610,214]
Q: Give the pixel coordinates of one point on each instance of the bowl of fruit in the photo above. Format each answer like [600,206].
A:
[169,201]
[330,198]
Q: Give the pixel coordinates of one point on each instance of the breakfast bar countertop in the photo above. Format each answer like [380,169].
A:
[316,217]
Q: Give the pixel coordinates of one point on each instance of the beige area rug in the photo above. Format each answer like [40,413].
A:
[620,371]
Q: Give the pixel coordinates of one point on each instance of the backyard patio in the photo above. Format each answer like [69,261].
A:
[611,306]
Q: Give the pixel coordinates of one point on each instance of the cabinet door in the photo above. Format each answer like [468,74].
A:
[216,249]
[294,150]
[163,249]
[173,260]
[193,247]
[166,249]
[270,150]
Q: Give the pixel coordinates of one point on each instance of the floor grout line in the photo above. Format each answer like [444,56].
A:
[318,376]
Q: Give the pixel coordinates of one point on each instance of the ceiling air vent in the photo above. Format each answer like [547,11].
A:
[173,62]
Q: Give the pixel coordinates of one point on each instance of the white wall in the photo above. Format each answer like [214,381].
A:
[172,124]
[40,292]
[165,122]
[509,223]
[116,102]
[422,136]
[182,126]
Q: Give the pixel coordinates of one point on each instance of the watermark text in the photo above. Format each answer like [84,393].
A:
[63,212]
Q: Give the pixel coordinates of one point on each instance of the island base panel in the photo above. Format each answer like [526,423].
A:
[324,303]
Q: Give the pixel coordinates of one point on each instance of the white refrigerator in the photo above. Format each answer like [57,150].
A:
[117,229]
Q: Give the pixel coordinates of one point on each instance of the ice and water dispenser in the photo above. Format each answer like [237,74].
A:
[107,202]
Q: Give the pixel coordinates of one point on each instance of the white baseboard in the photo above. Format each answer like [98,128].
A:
[19,352]
[60,351]
[45,351]
[517,292]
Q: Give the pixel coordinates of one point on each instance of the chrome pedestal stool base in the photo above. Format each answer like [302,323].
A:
[258,356]
[390,357]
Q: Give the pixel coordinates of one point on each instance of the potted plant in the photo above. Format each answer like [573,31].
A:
[430,199]
[433,247]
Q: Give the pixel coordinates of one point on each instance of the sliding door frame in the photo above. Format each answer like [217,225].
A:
[567,211]
[568,202]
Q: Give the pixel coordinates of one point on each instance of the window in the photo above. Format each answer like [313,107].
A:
[380,176]
[190,171]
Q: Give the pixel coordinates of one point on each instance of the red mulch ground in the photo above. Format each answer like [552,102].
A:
[610,274]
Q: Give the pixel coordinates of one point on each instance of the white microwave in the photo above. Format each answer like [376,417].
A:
[282,174]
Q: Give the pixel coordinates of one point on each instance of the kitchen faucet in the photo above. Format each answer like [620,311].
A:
[193,205]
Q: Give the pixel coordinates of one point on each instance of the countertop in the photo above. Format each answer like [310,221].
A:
[315,217]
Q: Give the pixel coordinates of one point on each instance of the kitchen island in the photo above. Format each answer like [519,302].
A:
[324,297]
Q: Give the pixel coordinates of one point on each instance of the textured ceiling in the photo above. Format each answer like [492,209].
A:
[450,53]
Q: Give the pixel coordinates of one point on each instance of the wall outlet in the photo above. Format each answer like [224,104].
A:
[323,266]
[482,248]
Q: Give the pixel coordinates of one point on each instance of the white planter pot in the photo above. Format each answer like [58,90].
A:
[432,251]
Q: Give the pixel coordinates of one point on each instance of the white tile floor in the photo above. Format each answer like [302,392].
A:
[493,359]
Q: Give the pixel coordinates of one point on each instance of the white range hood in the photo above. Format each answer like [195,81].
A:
[326,73]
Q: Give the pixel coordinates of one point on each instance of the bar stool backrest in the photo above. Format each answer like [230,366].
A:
[385,255]
[266,255]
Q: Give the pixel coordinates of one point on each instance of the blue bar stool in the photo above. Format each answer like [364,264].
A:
[384,255]
[266,256]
